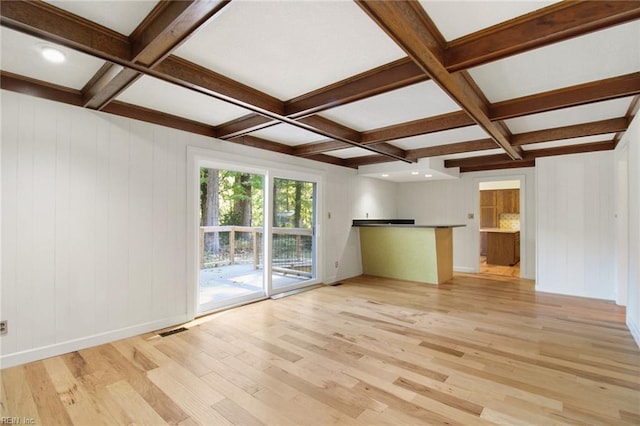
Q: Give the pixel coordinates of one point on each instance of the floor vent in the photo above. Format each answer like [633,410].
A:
[174,331]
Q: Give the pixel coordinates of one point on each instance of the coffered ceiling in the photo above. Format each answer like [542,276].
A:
[392,87]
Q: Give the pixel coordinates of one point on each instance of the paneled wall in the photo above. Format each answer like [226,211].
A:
[632,139]
[94,225]
[575,225]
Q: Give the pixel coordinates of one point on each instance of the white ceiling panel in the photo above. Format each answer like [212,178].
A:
[288,135]
[463,134]
[22,54]
[288,48]
[570,116]
[565,142]
[122,16]
[409,103]
[350,153]
[152,93]
[472,16]
[595,56]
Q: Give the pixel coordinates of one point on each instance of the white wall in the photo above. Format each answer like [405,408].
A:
[575,225]
[94,225]
[449,202]
[632,141]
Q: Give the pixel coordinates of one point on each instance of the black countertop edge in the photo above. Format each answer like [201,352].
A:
[365,222]
[400,225]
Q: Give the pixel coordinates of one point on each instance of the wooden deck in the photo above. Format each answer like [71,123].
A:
[476,350]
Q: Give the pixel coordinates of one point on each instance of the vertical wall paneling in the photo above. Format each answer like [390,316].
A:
[101,230]
[140,222]
[9,278]
[160,240]
[43,225]
[575,225]
[25,206]
[118,223]
[632,139]
[63,316]
[82,242]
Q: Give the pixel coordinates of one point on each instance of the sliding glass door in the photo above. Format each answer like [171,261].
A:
[231,233]
[254,231]
[293,240]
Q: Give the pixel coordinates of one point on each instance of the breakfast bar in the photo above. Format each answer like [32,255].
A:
[398,248]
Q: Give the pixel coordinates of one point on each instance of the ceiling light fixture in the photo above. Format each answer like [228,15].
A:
[415,173]
[385,175]
[52,54]
[428,175]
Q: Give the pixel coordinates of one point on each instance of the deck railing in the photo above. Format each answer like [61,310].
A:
[292,248]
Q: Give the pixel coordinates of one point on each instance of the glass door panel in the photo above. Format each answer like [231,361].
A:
[293,244]
[231,231]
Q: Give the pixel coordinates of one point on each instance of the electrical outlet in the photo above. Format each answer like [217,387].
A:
[4,327]
[336,264]
[329,215]
[367,215]
[469,215]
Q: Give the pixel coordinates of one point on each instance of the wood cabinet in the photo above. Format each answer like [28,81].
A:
[494,202]
[503,248]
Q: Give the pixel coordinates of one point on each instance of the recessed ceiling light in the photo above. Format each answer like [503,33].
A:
[52,54]
[415,173]
[385,175]
[428,175]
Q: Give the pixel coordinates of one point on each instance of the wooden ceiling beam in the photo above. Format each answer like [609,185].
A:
[499,166]
[448,121]
[136,112]
[613,125]
[580,94]
[168,25]
[489,160]
[558,22]
[394,75]
[365,161]
[243,125]
[452,148]
[28,86]
[410,27]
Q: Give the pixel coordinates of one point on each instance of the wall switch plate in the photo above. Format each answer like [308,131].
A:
[4,327]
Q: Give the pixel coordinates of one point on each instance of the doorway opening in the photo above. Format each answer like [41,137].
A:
[499,227]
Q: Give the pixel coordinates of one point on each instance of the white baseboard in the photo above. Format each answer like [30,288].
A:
[43,352]
[465,269]
[635,330]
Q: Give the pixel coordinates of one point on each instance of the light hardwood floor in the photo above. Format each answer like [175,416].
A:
[510,271]
[475,350]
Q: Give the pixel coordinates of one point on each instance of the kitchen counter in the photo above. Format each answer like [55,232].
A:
[405,251]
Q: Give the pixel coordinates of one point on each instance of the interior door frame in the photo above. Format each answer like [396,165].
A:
[523,218]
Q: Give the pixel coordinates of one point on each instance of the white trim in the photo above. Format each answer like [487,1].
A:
[61,348]
[464,269]
[523,216]
[635,331]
